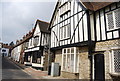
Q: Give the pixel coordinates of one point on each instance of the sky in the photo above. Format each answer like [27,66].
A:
[18,17]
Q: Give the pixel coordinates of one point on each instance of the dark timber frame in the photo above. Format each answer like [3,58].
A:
[104,13]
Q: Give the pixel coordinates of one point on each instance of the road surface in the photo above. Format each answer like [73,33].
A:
[12,71]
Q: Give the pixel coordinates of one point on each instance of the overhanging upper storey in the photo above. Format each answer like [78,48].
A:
[68,24]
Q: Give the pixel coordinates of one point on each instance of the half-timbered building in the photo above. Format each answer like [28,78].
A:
[17,53]
[85,39]
[37,52]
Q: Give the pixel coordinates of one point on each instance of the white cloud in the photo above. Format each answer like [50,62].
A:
[29,0]
[18,17]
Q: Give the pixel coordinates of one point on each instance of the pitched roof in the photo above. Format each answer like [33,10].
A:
[96,5]
[5,46]
[43,26]
[93,6]
[27,37]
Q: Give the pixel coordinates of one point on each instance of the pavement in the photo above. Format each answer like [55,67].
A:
[31,72]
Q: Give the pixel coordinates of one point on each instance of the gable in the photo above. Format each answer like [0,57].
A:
[68,24]
[37,29]
[57,12]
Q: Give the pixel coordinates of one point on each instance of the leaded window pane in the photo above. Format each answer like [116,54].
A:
[117,18]
[117,61]
[110,21]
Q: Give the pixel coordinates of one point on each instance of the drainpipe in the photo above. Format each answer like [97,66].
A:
[89,45]
[49,52]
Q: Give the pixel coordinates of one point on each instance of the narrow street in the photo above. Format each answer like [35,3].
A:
[12,71]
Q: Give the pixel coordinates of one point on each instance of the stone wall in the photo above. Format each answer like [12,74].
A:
[70,75]
[106,46]
[84,63]
[58,57]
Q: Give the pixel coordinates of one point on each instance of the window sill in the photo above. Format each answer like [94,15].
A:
[65,12]
[64,39]
[115,74]
[113,29]
[70,72]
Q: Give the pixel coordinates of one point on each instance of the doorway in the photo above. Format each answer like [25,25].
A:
[99,67]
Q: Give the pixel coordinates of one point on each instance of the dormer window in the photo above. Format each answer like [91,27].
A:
[36,40]
[113,20]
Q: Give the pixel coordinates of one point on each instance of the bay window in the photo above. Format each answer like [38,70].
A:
[70,60]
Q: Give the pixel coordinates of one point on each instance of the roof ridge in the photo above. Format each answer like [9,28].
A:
[43,21]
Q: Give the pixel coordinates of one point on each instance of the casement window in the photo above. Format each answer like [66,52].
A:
[3,50]
[64,22]
[65,7]
[30,42]
[65,32]
[65,26]
[70,60]
[26,44]
[36,40]
[113,19]
[115,61]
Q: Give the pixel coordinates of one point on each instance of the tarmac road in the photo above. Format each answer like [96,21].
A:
[12,71]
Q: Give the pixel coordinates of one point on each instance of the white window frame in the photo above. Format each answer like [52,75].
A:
[75,62]
[65,34]
[64,7]
[111,56]
[36,40]
[113,13]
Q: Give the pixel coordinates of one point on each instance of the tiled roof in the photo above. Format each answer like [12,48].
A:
[94,6]
[43,26]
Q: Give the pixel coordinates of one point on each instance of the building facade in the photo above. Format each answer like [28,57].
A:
[37,52]
[85,39]
[4,50]
[17,53]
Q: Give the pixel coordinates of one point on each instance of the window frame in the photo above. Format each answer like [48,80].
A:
[74,63]
[112,66]
[65,34]
[36,40]
[114,21]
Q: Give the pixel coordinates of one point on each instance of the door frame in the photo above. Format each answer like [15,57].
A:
[93,64]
